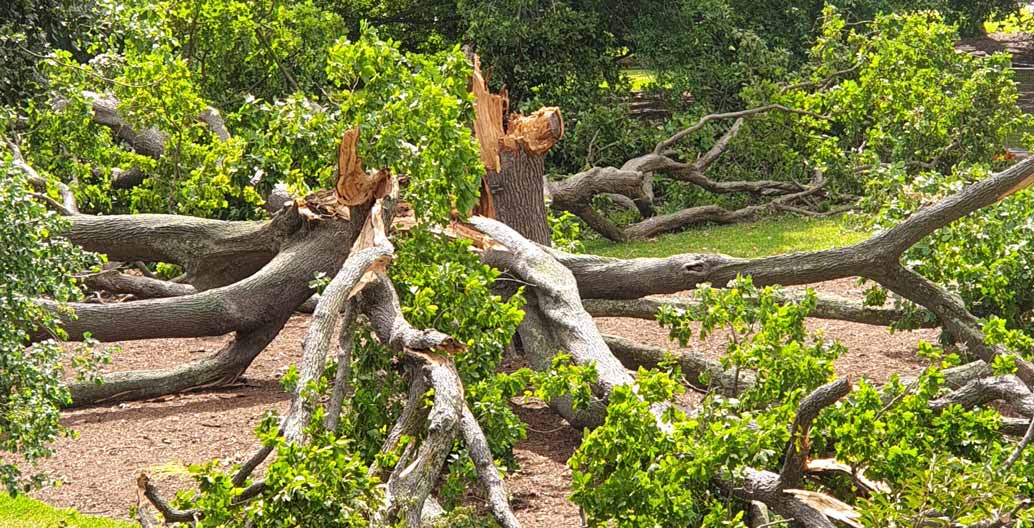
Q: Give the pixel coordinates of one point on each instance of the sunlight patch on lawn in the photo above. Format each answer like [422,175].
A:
[23,512]
[770,236]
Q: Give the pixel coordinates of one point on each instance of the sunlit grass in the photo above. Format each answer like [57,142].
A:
[639,78]
[766,237]
[1021,22]
[23,512]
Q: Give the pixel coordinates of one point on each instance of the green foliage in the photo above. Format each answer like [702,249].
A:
[914,121]
[35,263]
[1019,21]
[764,336]
[417,110]
[322,483]
[565,232]
[444,285]
[31,28]
[949,461]
[630,472]
[555,51]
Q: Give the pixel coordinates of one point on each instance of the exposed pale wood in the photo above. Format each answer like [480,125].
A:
[535,133]
[354,186]
[489,114]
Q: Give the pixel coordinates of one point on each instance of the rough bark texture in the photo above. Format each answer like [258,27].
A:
[477,446]
[634,355]
[138,286]
[255,308]
[554,320]
[280,285]
[512,149]
[517,192]
[321,333]
[877,258]
[213,252]
[827,307]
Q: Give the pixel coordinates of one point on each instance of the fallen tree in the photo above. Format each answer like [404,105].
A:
[306,237]
[634,181]
[248,278]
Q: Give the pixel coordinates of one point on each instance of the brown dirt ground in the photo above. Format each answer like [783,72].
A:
[115,443]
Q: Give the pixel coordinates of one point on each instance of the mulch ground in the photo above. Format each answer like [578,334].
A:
[161,437]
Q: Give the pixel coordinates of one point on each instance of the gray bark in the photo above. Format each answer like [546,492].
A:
[517,193]
[321,333]
[138,286]
[556,321]
[827,307]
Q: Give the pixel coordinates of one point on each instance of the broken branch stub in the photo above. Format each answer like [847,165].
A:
[354,186]
[536,133]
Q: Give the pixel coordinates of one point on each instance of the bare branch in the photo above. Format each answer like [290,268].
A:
[678,136]
[477,446]
[792,474]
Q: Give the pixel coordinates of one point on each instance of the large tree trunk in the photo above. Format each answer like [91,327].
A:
[517,191]
[512,149]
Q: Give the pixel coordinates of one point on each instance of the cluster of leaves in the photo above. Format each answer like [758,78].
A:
[34,263]
[911,120]
[951,461]
[632,472]
[417,108]
[322,483]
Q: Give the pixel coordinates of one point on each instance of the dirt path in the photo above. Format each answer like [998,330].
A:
[163,436]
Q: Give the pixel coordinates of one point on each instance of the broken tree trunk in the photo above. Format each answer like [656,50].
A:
[513,148]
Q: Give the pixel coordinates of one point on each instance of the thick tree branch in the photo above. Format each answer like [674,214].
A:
[562,323]
[138,286]
[826,307]
[215,252]
[796,453]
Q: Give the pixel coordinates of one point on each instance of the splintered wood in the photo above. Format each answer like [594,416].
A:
[536,133]
[489,111]
[354,186]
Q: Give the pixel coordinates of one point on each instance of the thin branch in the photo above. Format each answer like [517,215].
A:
[1027,437]
[678,136]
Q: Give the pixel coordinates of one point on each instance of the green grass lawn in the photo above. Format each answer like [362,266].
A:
[769,236]
[24,512]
